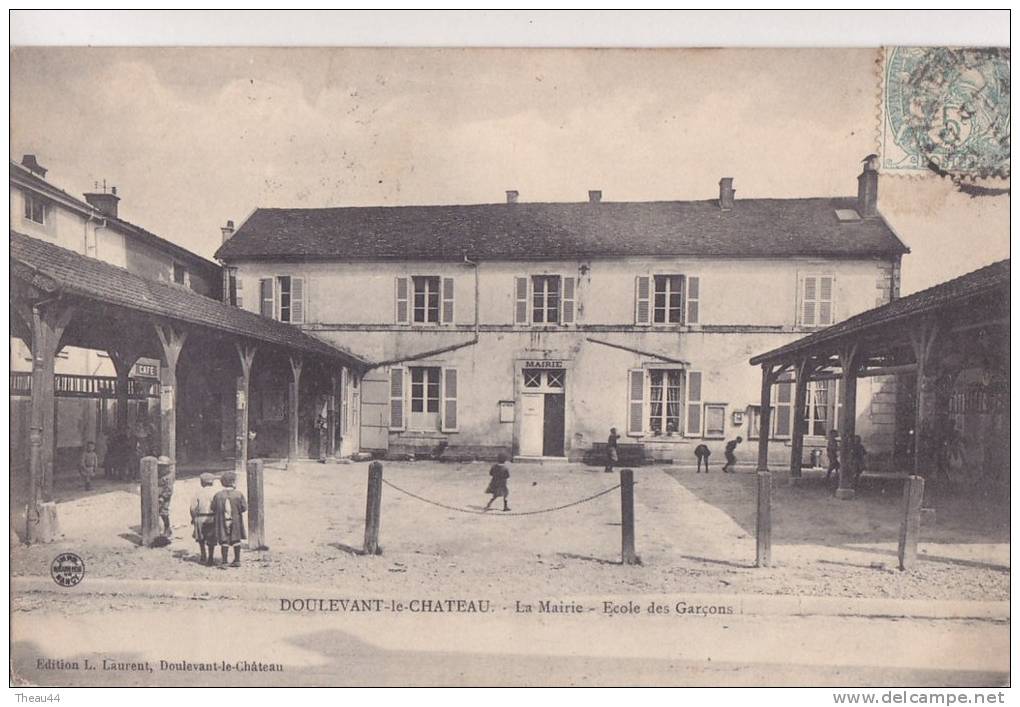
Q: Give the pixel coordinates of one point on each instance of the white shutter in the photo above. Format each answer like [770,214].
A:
[636,402]
[397,416]
[268,304]
[567,305]
[520,300]
[693,299]
[809,296]
[402,296]
[297,300]
[447,300]
[449,422]
[825,290]
[692,422]
[238,291]
[642,300]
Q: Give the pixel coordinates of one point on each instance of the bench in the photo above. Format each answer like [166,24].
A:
[629,454]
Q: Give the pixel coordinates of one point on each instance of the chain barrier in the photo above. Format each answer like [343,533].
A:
[500,513]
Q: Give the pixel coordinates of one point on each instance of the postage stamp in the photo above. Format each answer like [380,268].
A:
[946,109]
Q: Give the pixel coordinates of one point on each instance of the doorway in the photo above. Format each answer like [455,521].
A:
[543,413]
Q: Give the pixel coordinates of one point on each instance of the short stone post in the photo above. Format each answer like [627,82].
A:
[910,525]
[150,501]
[256,507]
[373,508]
[763,525]
[627,516]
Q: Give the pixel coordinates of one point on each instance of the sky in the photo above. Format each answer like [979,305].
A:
[192,137]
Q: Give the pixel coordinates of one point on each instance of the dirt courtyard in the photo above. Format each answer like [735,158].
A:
[694,533]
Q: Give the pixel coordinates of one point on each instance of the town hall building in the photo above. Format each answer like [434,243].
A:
[533,328]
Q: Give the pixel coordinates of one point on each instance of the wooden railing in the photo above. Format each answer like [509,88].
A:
[79,386]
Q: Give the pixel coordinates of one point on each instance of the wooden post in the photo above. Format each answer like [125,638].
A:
[922,339]
[256,507]
[910,525]
[123,358]
[627,516]
[292,413]
[799,404]
[245,355]
[765,416]
[331,415]
[150,501]
[763,524]
[373,508]
[172,340]
[847,422]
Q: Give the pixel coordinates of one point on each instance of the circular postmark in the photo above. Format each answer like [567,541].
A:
[948,108]
[67,569]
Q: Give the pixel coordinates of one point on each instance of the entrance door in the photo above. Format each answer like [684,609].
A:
[532,417]
[552,439]
[424,398]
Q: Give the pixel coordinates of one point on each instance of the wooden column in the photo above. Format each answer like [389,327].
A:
[847,421]
[922,339]
[245,355]
[373,508]
[123,359]
[799,403]
[171,339]
[628,552]
[768,377]
[334,385]
[763,521]
[256,507]
[910,524]
[149,492]
[292,417]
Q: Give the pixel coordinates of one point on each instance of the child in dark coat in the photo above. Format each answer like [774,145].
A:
[497,484]
[702,452]
[731,457]
[228,507]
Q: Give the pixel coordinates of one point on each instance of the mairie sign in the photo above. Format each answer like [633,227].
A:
[543,364]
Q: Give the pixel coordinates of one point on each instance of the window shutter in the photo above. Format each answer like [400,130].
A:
[402,289]
[449,423]
[642,300]
[825,300]
[567,302]
[268,305]
[238,300]
[693,296]
[636,398]
[521,300]
[447,300]
[808,301]
[297,300]
[692,427]
[397,398]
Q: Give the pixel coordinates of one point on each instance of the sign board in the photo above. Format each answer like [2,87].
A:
[506,410]
[544,363]
[166,397]
[145,370]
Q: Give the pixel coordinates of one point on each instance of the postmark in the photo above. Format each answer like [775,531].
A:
[67,569]
[946,110]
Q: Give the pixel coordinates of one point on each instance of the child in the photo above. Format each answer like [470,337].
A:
[731,458]
[228,507]
[88,465]
[612,450]
[832,452]
[497,485]
[858,454]
[202,518]
[702,452]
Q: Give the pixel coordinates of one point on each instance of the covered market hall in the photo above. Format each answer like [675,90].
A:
[948,346]
[214,359]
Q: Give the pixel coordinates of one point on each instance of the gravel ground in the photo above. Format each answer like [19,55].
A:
[695,533]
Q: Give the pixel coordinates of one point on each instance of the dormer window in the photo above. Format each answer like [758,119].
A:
[35,208]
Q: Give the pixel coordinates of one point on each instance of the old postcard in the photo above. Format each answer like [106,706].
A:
[351,366]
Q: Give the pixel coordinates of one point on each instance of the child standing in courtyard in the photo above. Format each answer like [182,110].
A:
[88,465]
[228,507]
[497,484]
[612,450]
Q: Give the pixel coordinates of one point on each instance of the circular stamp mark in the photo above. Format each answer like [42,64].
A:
[67,569]
[947,109]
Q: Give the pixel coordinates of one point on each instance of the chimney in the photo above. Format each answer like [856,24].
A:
[867,188]
[726,193]
[227,231]
[511,196]
[105,201]
[33,166]
[594,196]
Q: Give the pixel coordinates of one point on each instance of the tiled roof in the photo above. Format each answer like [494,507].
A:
[24,174]
[529,231]
[105,283]
[989,279]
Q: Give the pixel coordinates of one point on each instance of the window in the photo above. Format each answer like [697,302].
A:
[665,390]
[715,421]
[180,274]
[232,293]
[821,412]
[426,300]
[283,298]
[668,305]
[35,208]
[545,299]
[816,300]
[532,378]
[424,389]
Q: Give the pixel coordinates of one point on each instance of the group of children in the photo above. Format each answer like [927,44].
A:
[217,518]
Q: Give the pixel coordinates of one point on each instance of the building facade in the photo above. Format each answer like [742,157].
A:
[532,329]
